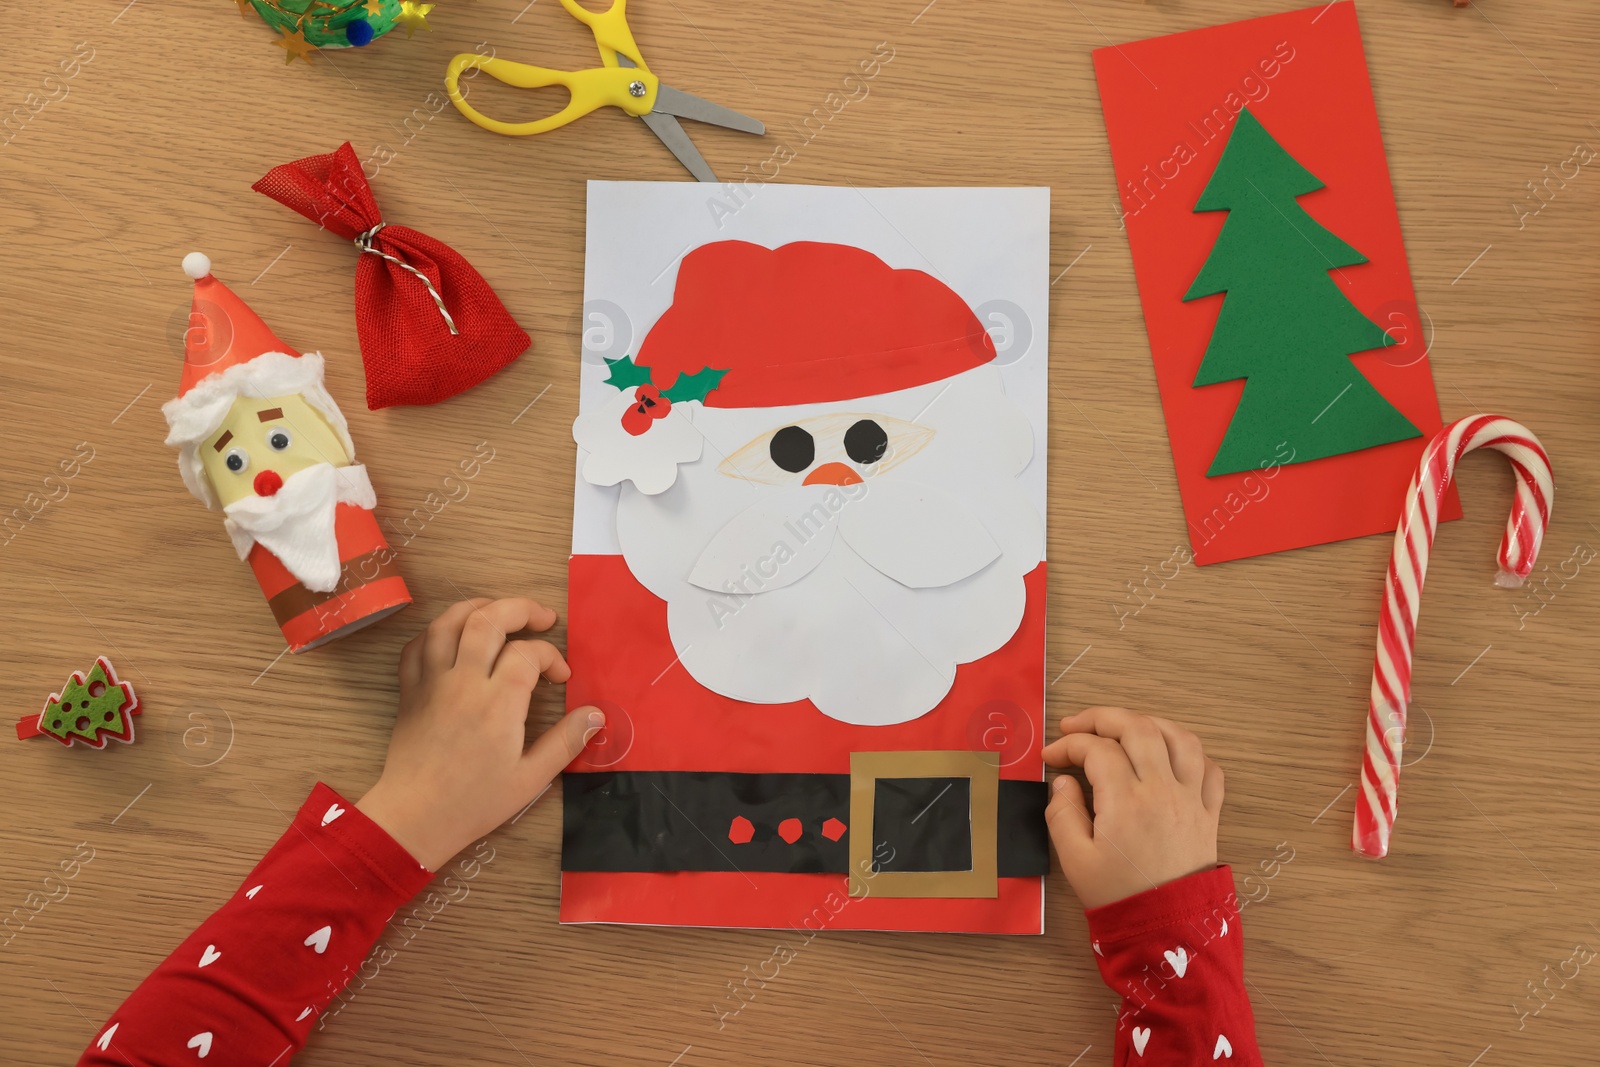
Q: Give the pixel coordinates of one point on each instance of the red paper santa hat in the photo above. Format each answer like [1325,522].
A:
[809,323]
[228,353]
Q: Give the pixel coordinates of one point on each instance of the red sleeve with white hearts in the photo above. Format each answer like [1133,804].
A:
[1175,954]
[246,987]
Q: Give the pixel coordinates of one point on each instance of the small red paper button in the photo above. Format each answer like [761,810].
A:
[833,829]
[789,830]
[741,831]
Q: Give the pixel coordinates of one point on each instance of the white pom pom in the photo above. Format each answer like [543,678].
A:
[197,265]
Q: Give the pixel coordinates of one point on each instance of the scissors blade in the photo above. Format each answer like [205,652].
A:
[688,106]
[671,134]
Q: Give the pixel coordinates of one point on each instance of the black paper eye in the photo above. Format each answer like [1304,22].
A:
[792,449]
[865,442]
[278,439]
[238,459]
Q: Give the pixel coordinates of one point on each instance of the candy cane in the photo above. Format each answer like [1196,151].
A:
[1402,594]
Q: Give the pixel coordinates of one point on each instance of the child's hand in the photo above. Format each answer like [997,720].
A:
[457,767]
[1156,802]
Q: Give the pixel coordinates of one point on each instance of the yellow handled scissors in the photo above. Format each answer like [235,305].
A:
[624,82]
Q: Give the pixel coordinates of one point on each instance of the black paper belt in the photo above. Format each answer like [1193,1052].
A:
[787,823]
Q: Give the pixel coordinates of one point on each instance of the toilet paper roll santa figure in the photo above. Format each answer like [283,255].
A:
[259,437]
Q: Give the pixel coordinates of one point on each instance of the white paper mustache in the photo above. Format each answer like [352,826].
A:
[919,535]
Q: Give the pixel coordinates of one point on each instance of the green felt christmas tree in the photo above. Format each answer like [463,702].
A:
[1285,327]
[93,709]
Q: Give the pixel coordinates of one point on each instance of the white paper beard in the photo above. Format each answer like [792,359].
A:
[861,598]
[296,524]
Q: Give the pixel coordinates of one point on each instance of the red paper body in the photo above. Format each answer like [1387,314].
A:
[364,592]
[659,718]
[1304,75]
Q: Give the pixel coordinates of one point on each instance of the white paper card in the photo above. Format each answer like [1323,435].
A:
[862,569]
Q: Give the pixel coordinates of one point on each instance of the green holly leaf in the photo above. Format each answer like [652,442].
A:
[694,386]
[626,374]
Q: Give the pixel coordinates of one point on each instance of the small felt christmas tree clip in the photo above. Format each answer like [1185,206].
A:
[92,710]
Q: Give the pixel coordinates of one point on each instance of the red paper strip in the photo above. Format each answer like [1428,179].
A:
[804,903]
[1170,104]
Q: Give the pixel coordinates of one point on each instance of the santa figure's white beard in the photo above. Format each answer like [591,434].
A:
[296,524]
[861,598]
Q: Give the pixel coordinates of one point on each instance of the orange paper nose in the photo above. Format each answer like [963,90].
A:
[832,474]
[268,483]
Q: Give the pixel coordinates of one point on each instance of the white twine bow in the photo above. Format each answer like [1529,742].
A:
[364,242]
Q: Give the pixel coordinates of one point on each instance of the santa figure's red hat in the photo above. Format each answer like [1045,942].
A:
[228,353]
[809,322]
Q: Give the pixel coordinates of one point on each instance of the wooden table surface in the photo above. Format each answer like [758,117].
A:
[108,175]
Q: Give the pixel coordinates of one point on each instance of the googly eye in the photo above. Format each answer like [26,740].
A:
[236,460]
[278,439]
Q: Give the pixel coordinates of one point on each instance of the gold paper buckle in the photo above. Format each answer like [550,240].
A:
[981,769]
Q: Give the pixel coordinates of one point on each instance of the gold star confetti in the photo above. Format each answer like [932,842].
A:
[374,8]
[414,15]
[294,45]
[244,8]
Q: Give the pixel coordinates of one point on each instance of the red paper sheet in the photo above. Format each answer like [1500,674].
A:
[659,718]
[1170,103]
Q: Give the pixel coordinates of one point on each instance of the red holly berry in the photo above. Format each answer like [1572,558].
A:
[650,398]
[648,406]
[635,421]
